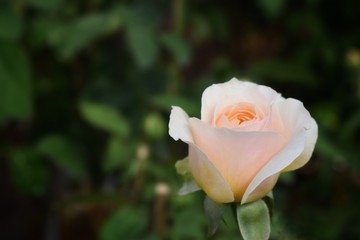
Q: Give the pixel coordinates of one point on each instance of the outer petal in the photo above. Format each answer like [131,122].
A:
[292,119]
[311,137]
[204,172]
[237,155]
[264,188]
[179,125]
[208,177]
[289,116]
[236,91]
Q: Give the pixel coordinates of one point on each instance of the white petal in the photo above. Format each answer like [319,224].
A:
[208,177]
[289,116]
[311,137]
[179,125]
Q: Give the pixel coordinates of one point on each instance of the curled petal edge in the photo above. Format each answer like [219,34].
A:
[264,188]
[179,125]
[297,152]
[278,163]
[311,137]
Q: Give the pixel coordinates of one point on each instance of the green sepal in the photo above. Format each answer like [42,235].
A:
[269,200]
[254,220]
[183,169]
[214,213]
[188,187]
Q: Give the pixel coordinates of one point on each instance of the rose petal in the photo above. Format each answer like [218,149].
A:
[203,171]
[237,155]
[289,116]
[208,177]
[264,188]
[295,119]
[279,162]
[235,91]
[311,136]
[179,125]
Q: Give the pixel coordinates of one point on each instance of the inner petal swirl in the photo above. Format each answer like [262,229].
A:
[237,115]
[240,114]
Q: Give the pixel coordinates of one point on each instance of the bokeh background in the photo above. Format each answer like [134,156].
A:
[86,89]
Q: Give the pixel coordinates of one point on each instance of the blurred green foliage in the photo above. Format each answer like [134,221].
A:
[86,89]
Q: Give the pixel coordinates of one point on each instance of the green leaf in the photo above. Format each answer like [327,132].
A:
[189,223]
[10,24]
[16,92]
[81,33]
[63,153]
[269,200]
[214,213]
[105,117]
[271,8]
[71,37]
[254,220]
[118,154]
[125,223]
[28,171]
[142,39]
[177,47]
[115,18]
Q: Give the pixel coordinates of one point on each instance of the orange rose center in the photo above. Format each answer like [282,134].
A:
[241,117]
[238,114]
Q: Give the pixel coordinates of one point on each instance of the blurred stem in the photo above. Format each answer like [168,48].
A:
[173,67]
[140,178]
[138,185]
[162,194]
[19,7]
[178,15]
[358,82]
[174,76]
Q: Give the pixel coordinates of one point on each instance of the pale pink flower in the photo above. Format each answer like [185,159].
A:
[247,135]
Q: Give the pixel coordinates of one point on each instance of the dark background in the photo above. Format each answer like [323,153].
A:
[85,94]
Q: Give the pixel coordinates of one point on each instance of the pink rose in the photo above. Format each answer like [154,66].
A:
[248,134]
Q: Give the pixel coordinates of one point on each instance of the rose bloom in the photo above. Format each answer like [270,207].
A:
[247,135]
